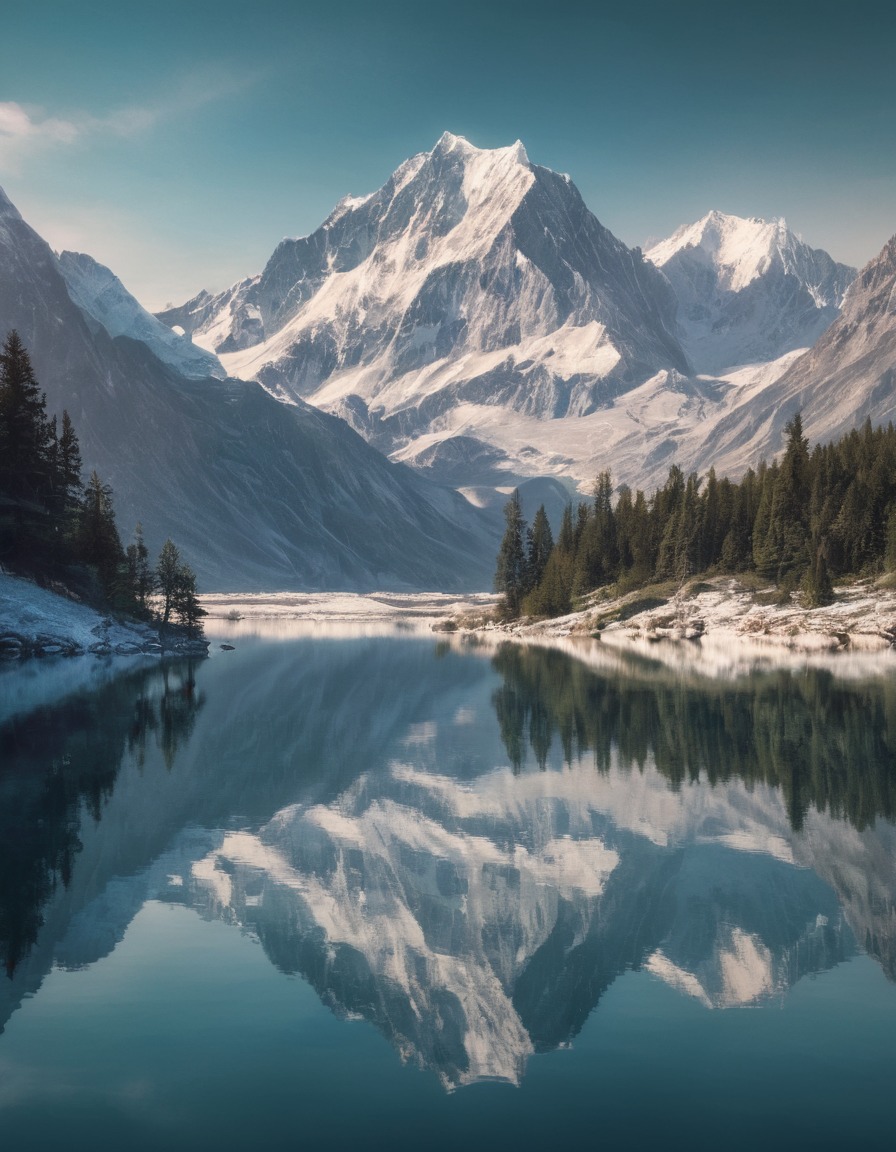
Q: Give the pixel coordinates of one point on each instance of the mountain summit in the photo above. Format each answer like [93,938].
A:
[471,278]
[749,290]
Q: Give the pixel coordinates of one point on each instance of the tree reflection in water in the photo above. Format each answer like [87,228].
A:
[58,766]
[826,743]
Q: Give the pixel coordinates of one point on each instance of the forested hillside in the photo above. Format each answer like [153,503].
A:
[799,522]
[56,529]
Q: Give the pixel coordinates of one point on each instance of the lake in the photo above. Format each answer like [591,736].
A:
[404,891]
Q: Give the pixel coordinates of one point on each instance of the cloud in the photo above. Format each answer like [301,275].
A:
[18,124]
[27,129]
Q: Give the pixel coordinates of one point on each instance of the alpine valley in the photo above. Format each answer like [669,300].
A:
[257,494]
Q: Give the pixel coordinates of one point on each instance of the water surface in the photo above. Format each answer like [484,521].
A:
[404,892]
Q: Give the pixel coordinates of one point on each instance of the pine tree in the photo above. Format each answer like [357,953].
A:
[167,573]
[666,515]
[99,544]
[566,541]
[597,556]
[539,545]
[890,549]
[141,579]
[785,545]
[510,576]
[687,531]
[553,596]
[185,603]
[68,461]
[816,585]
[25,432]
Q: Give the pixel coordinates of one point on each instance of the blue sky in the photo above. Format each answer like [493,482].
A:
[178,142]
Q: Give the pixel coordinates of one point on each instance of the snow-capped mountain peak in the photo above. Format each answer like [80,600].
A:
[101,295]
[472,277]
[749,290]
[741,249]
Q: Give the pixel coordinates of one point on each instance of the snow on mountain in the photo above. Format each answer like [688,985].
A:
[748,290]
[256,494]
[472,277]
[473,319]
[848,376]
[101,295]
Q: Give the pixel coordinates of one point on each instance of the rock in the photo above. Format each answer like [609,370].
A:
[227,648]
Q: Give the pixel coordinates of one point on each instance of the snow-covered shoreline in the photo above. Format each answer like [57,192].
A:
[711,628]
[35,621]
[719,627]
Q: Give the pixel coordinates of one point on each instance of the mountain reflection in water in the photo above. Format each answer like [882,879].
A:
[464,848]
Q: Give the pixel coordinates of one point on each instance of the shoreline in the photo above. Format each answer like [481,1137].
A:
[711,627]
[38,623]
[717,627]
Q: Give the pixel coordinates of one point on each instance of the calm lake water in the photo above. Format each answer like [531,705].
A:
[394,892]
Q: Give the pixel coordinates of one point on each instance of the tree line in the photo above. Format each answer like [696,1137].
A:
[798,522]
[53,526]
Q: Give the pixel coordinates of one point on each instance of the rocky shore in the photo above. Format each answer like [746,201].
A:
[719,622]
[38,622]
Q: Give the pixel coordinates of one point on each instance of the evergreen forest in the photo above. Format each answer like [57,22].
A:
[62,532]
[799,522]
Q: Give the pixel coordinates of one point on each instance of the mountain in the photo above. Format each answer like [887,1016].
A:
[473,282]
[474,320]
[256,493]
[748,290]
[101,296]
[848,376]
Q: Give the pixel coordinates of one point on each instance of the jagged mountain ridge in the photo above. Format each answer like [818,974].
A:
[847,377]
[472,275]
[101,295]
[256,493]
[748,290]
[474,309]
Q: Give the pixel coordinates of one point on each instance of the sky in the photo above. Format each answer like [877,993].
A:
[179,142]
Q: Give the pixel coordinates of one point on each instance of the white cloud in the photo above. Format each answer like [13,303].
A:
[28,129]
[25,130]
[18,125]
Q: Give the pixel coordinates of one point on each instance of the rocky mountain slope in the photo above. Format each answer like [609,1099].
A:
[848,376]
[257,494]
[748,290]
[102,297]
[473,319]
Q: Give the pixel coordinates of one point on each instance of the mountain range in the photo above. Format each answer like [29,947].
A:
[472,319]
[256,494]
